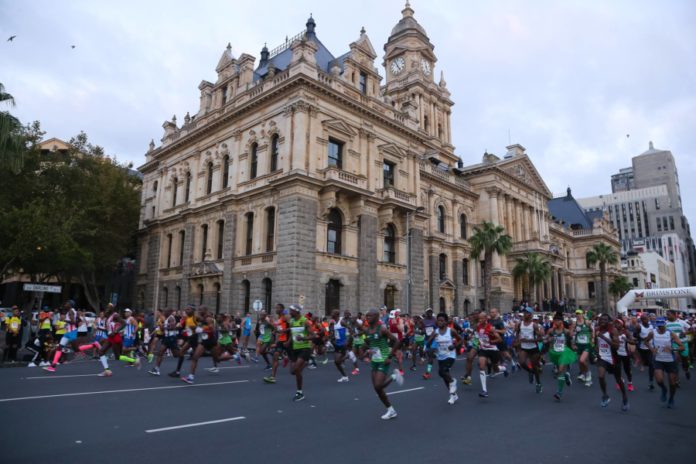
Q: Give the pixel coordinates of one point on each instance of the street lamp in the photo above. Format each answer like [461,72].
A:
[419,209]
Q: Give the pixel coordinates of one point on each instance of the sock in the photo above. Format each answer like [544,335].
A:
[482,376]
[123,357]
[561,382]
[56,358]
[84,348]
[429,368]
[104,362]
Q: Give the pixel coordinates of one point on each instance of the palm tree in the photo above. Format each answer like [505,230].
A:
[619,287]
[489,238]
[535,268]
[603,254]
[11,143]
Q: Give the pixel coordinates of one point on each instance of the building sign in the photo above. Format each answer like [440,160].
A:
[663,292]
[42,288]
[258,305]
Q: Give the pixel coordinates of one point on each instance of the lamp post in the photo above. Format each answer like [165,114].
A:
[419,209]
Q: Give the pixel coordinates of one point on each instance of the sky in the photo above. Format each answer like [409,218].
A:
[584,85]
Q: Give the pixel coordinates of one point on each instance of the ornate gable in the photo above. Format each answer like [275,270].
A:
[393,150]
[522,168]
[339,126]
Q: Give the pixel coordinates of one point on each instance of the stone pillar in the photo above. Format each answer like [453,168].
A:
[296,269]
[153,265]
[416,289]
[457,273]
[186,265]
[434,280]
[493,204]
[368,286]
[228,259]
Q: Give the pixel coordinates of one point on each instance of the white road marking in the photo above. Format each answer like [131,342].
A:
[128,390]
[405,391]
[60,376]
[233,367]
[197,424]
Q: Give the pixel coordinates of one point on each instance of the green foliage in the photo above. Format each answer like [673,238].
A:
[487,239]
[535,268]
[12,144]
[603,254]
[620,286]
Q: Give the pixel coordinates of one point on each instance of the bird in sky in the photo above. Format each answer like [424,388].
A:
[11,38]
[72,46]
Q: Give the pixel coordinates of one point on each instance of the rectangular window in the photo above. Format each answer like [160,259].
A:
[224,94]
[465,271]
[671,223]
[221,238]
[664,223]
[182,238]
[270,229]
[363,83]
[249,233]
[659,224]
[169,250]
[388,171]
[204,241]
[335,153]
[591,289]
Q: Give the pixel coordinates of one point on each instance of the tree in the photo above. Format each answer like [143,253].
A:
[603,254]
[535,268]
[489,238]
[12,145]
[619,287]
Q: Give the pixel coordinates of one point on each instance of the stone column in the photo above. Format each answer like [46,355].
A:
[296,269]
[368,286]
[434,280]
[457,275]
[186,264]
[417,289]
[228,257]
[493,205]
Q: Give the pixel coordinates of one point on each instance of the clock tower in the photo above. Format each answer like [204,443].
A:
[409,64]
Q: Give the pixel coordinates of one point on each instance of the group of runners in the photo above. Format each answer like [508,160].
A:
[387,341]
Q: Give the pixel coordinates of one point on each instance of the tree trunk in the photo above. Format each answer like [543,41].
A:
[605,292]
[91,290]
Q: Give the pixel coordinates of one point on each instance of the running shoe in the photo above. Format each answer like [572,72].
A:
[539,388]
[663,396]
[398,377]
[630,386]
[31,364]
[390,414]
[238,359]
[174,374]
[568,380]
[355,371]
[326,360]
[269,379]
[624,406]
[588,383]
[483,394]
[44,364]
[298,397]
[188,379]
[557,396]
[605,401]
[343,379]
[50,369]
[531,377]
[670,404]
[505,371]
[413,368]
[154,371]
[426,376]
[213,370]
[107,373]
[401,371]
[138,364]
[581,377]
[651,387]
[453,398]
[466,380]
[268,367]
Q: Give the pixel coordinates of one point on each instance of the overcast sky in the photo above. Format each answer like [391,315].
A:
[583,85]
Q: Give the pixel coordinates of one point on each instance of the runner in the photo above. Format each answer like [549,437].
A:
[170,335]
[665,343]
[418,344]
[583,346]
[207,341]
[157,335]
[130,337]
[396,327]
[607,341]
[472,346]
[225,348]
[429,323]
[358,342]
[378,337]
[69,337]
[560,354]
[447,341]
[340,343]
[681,328]
[528,333]
[645,335]
[188,324]
[488,350]
[265,337]
[302,336]
[246,334]
[499,325]
[622,352]
[281,344]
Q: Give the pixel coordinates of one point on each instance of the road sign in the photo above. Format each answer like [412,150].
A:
[42,288]
[258,305]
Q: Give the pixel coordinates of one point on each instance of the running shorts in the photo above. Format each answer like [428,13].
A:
[380,367]
[582,348]
[115,339]
[128,342]
[607,366]
[668,367]
[341,349]
[303,353]
[493,355]
[70,336]
[170,342]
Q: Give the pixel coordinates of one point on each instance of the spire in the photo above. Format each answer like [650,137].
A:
[311,25]
[264,55]
[443,83]
[362,31]
[407,11]
[568,195]
[225,59]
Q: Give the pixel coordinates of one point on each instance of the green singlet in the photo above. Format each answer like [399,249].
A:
[297,328]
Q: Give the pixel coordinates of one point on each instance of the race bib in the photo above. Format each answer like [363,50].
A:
[376,355]
[204,336]
[262,329]
[443,347]
[428,331]
[188,332]
[583,339]
[14,326]
[558,345]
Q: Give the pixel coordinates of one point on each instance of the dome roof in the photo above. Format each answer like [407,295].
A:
[407,22]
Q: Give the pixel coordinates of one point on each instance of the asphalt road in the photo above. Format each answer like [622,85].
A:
[73,416]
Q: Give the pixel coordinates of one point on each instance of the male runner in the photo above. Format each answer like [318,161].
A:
[582,331]
[528,334]
[281,344]
[645,336]
[665,343]
[302,336]
[447,341]
[607,341]
[340,341]
[681,328]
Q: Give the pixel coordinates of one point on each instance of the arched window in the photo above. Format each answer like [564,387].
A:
[154,189]
[201,292]
[390,244]
[443,266]
[188,186]
[175,188]
[441,219]
[267,293]
[462,226]
[220,238]
[333,232]
[225,171]
[389,296]
[270,229]
[209,187]
[246,294]
[249,233]
[165,298]
[333,296]
[254,161]
[274,152]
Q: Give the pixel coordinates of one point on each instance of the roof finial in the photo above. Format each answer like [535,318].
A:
[229,46]
[443,83]
[362,30]
[311,24]
[407,11]
[650,145]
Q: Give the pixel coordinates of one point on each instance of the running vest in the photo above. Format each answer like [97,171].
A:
[621,351]
[13,324]
[379,346]
[484,338]
[264,333]
[644,334]
[582,334]
[130,330]
[559,342]
[298,329]
[443,343]
[101,327]
[527,332]
[70,317]
[339,334]
[281,327]
[429,325]
[663,346]
[604,349]
[679,327]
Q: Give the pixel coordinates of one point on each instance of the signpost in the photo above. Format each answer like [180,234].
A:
[42,288]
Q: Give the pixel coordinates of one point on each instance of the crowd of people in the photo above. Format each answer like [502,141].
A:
[389,342]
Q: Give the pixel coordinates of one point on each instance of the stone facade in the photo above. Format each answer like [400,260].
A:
[332,189]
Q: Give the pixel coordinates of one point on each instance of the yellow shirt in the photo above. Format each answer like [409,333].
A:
[46,324]
[60,327]
[13,324]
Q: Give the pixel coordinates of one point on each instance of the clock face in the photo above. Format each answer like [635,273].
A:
[397,65]
[425,66]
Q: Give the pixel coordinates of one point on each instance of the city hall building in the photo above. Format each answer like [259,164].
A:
[304,177]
